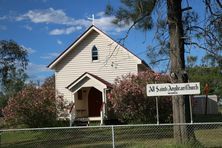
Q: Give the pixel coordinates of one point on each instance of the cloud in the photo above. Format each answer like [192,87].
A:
[28,27]
[37,72]
[59,42]
[47,16]
[3,17]
[37,68]
[29,50]
[66,31]
[50,56]
[51,15]
[104,22]
[100,14]
[58,16]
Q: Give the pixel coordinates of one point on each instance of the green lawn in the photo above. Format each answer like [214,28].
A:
[132,137]
[210,137]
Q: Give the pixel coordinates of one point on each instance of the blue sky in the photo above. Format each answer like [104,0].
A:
[47,27]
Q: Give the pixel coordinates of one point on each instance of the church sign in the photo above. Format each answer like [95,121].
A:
[168,89]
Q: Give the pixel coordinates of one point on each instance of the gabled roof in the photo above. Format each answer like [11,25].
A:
[87,74]
[79,39]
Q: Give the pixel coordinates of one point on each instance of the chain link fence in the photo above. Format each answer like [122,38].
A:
[132,136]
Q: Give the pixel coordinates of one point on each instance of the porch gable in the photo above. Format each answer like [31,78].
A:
[88,80]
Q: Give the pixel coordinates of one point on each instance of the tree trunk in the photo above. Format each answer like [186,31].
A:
[177,67]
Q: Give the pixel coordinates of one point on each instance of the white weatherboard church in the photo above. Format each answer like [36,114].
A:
[87,68]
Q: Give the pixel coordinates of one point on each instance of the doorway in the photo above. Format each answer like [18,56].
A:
[94,102]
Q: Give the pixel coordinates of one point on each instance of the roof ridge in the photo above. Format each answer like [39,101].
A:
[82,35]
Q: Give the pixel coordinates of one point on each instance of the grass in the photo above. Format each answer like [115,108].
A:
[210,137]
[15,137]
[132,137]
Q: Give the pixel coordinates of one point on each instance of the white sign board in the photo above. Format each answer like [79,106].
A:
[168,89]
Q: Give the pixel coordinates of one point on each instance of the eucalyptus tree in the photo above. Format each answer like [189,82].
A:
[13,63]
[174,26]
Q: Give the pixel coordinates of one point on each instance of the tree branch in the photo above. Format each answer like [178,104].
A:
[207,33]
[157,61]
[121,41]
[219,3]
[207,2]
[133,25]
[202,47]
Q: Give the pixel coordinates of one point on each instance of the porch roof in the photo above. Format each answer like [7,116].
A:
[91,76]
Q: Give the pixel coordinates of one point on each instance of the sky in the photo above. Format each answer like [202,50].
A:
[47,27]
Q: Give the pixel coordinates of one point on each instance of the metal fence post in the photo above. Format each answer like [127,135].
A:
[113,137]
[191,110]
[157,112]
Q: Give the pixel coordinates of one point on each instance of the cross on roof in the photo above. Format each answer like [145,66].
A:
[92,19]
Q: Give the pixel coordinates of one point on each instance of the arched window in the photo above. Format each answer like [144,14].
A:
[94,53]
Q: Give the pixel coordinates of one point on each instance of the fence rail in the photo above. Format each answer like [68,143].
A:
[139,135]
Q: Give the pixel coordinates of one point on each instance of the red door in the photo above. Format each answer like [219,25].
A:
[94,102]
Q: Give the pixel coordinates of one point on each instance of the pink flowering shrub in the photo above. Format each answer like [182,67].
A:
[34,106]
[130,103]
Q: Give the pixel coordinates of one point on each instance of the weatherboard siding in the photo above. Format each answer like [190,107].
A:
[79,61]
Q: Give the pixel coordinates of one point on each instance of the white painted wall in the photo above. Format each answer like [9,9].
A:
[113,61]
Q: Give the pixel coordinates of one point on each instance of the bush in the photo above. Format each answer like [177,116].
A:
[130,103]
[62,123]
[34,106]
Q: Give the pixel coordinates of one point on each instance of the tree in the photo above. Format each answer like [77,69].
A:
[211,32]
[191,61]
[130,102]
[209,75]
[179,28]
[13,63]
[139,13]
[35,106]
[174,30]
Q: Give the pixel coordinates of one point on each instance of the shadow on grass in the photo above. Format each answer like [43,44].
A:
[58,138]
[131,136]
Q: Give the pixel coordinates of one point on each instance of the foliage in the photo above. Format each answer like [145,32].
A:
[210,75]
[205,34]
[34,106]
[191,61]
[13,62]
[131,11]
[212,32]
[130,102]
[14,85]
[197,33]
[177,26]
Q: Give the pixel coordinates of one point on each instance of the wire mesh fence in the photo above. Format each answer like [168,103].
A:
[163,135]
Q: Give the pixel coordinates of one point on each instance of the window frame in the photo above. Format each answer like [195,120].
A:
[94,53]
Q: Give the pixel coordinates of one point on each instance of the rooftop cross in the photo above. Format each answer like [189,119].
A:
[92,19]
